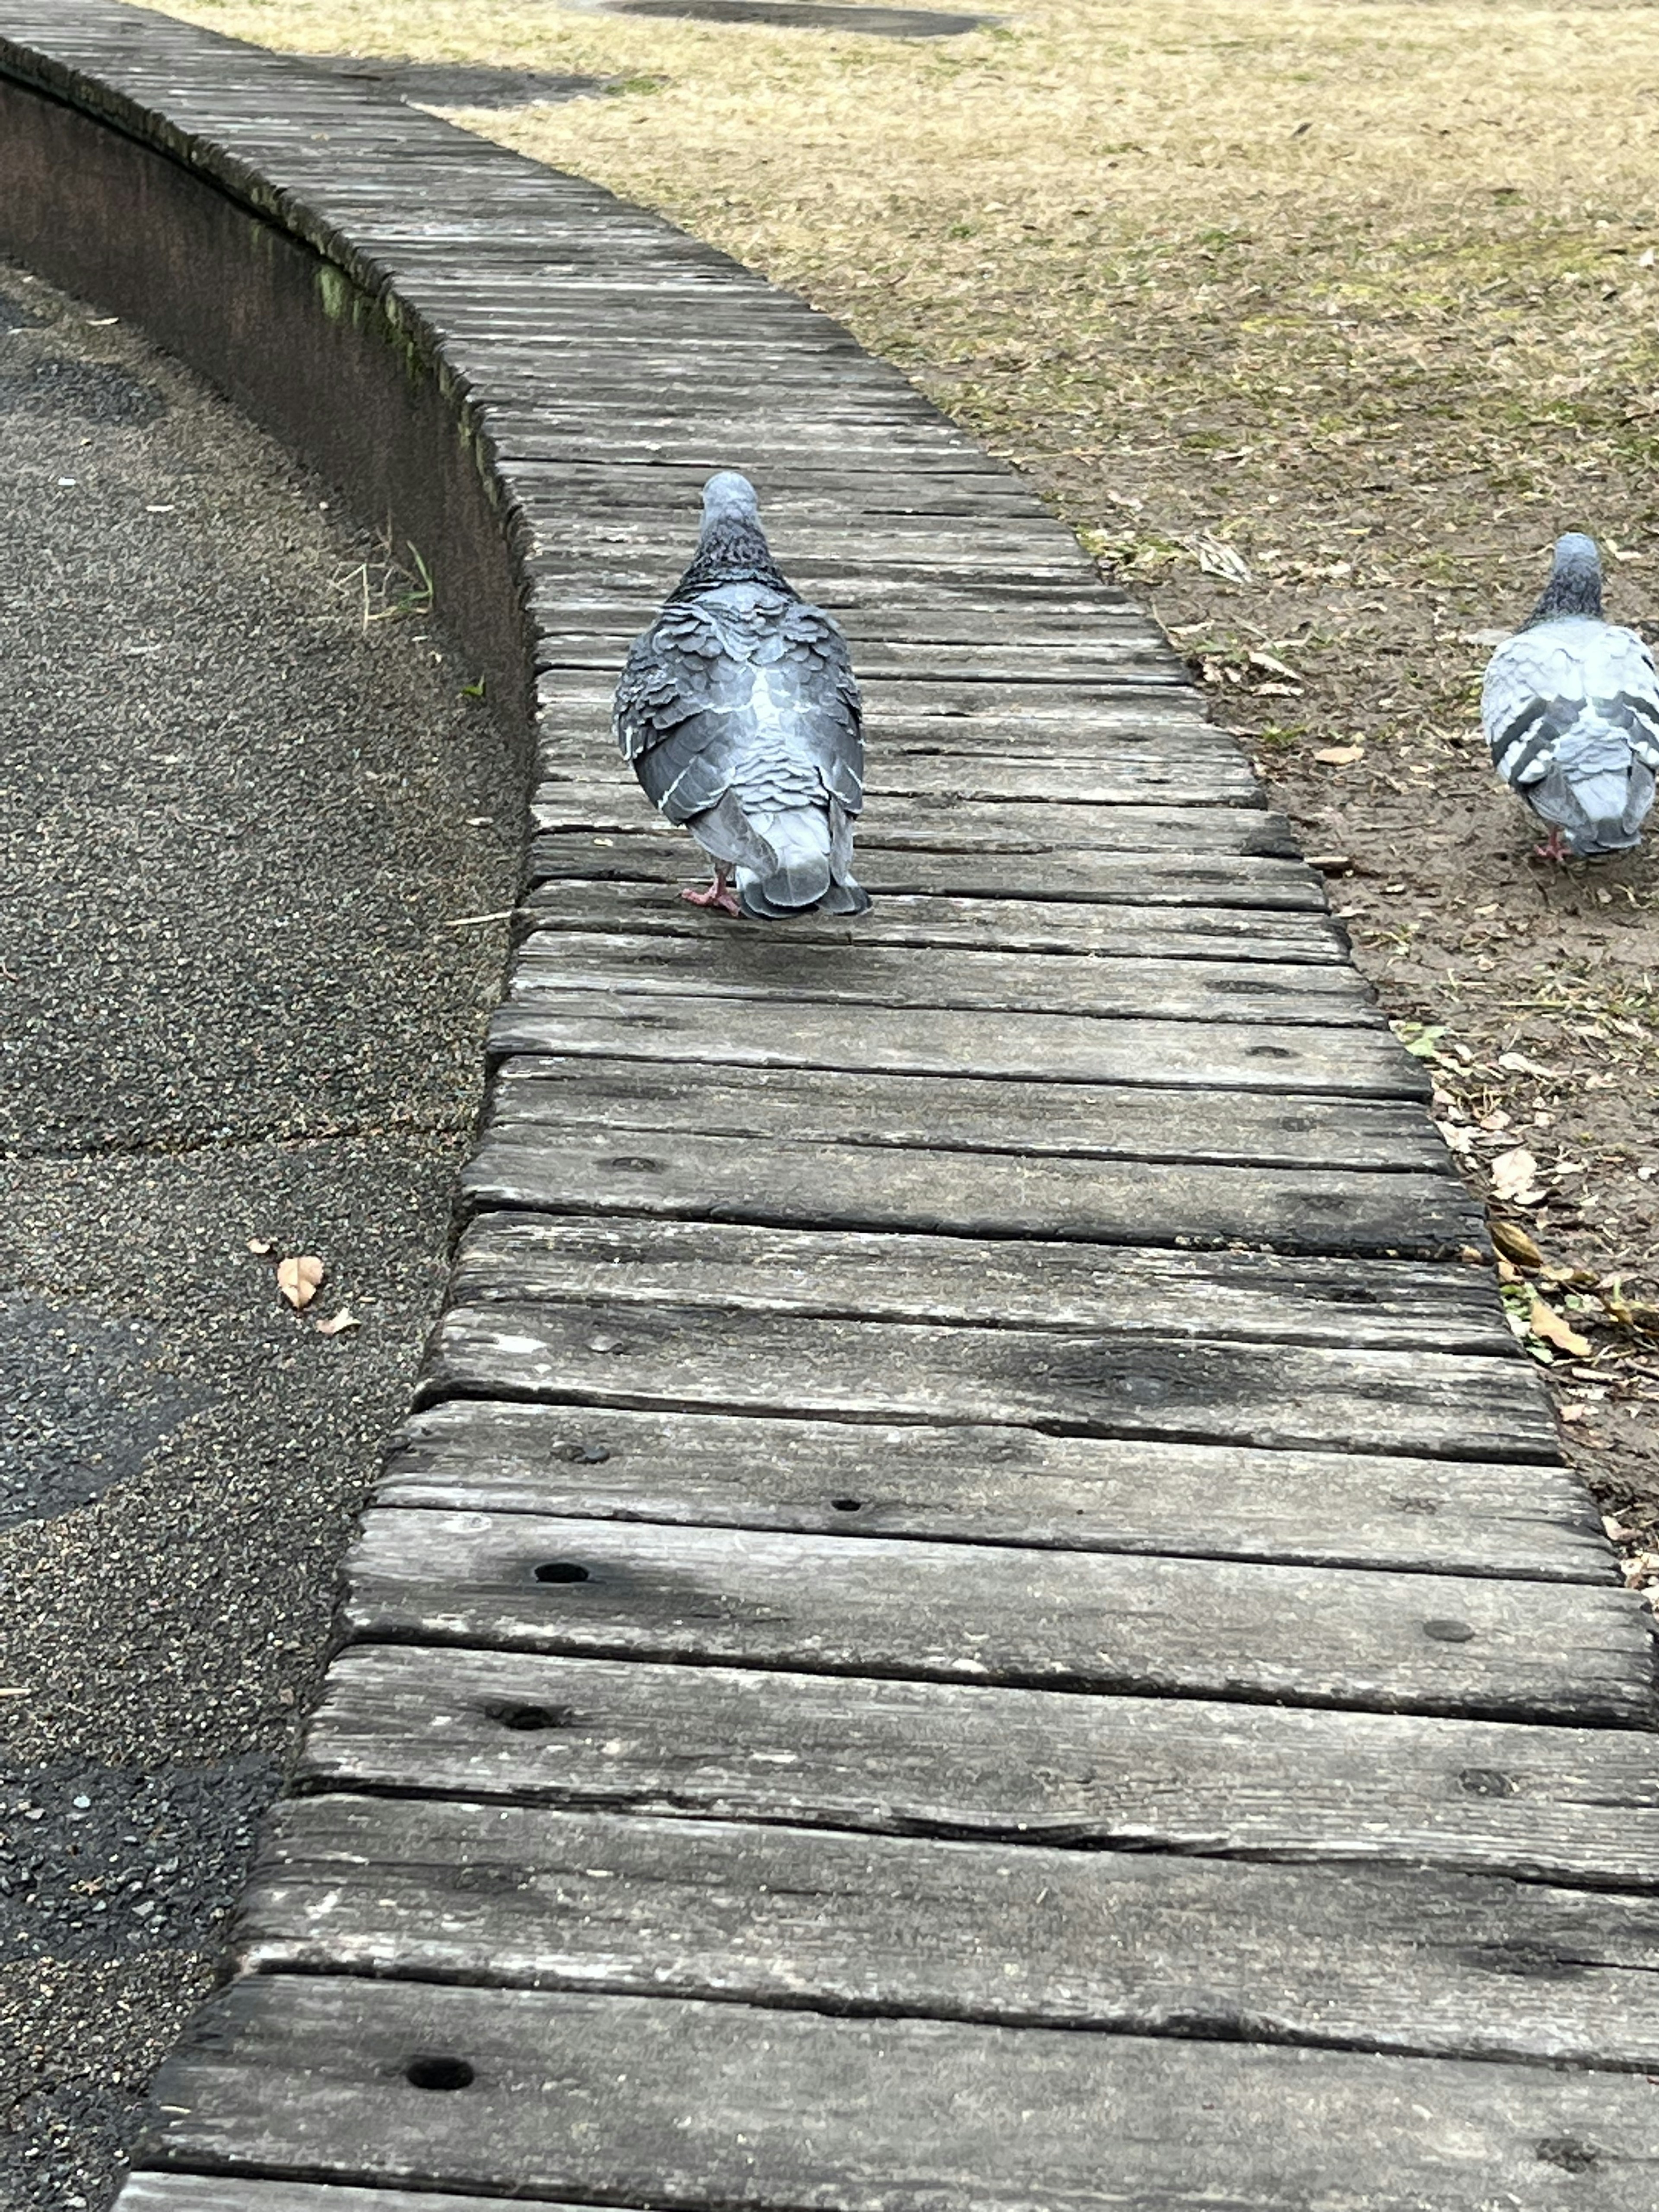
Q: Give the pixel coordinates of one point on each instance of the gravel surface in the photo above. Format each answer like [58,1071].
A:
[246,799]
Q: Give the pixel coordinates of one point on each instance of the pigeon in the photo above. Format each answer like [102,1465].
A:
[1571,710]
[740,713]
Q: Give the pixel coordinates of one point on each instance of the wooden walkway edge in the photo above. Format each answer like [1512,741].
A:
[976,1608]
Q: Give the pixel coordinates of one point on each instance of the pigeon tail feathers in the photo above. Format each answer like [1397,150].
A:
[799,838]
[1596,795]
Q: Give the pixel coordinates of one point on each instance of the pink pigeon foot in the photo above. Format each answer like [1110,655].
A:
[716,895]
[1552,849]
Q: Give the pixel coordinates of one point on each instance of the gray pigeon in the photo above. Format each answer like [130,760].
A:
[1571,710]
[740,713]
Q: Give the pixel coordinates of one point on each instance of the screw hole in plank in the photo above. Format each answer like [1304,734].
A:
[436,2071]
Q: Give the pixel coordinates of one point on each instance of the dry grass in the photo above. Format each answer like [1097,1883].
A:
[1365,292]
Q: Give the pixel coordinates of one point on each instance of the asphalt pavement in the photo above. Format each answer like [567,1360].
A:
[248,817]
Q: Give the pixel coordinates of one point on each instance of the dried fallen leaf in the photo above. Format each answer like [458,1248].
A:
[1341,756]
[1272,664]
[1515,1177]
[336,1324]
[1545,1322]
[1513,1241]
[261,1246]
[1519,1064]
[1217,558]
[300,1279]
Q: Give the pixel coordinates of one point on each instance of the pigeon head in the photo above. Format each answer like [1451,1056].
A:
[1575,584]
[729,497]
[731,546]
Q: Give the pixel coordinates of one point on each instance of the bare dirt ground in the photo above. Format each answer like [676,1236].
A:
[1318,322]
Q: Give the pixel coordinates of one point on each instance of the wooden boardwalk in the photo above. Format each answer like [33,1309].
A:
[977,1607]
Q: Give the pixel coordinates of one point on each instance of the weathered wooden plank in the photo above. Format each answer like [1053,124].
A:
[587,608]
[1045,926]
[1131,1625]
[1096,1121]
[1281,1057]
[1300,1397]
[1165,877]
[1206,777]
[1039,720]
[924,544]
[248,2193]
[1012,1283]
[629,2100]
[1032,828]
[775,966]
[799,489]
[1392,1959]
[903,660]
[1000,1487]
[1579,1806]
[628,1162]
[759,452]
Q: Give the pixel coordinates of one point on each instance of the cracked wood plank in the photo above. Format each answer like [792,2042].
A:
[1296,1396]
[1165,877]
[1570,1805]
[614,804]
[749,963]
[1049,1048]
[1008,925]
[1014,1283]
[617,2100]
[1002,1486]
[1393,1958]
[1128,1624]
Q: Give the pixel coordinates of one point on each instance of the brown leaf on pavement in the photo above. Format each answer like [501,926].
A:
[300,1279]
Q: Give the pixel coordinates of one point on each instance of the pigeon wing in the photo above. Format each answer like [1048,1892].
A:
[676,710]
[812,678]
[680,718]
[1539,684]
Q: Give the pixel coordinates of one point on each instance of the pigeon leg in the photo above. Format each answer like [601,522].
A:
[717,894]
[1552,849]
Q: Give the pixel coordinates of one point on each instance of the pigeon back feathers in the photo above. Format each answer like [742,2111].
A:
[740,713]
[1571,710]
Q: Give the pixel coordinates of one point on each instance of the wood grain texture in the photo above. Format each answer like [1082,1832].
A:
[999,1485]
[1131,1626]
[1207,1055]
[247,2192]
[627,2101]
[1570,1805]
[1394,1959]
[751,963]
[1297,1397]
[1016,1283]
[970,1194]
[962,1113]
[1126,775]
[1122,931]
[1164,876]
[1032,828]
